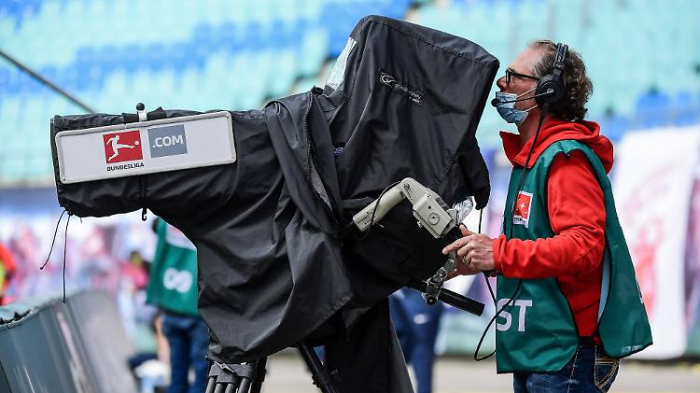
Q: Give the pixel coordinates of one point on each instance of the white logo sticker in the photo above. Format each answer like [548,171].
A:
[522,208]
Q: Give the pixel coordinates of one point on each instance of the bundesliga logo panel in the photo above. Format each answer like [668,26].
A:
[123,150]
[123,146]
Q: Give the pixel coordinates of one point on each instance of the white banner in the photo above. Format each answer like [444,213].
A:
[145,147]
[652,188]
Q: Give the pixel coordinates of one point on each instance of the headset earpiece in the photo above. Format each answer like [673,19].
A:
[551,87]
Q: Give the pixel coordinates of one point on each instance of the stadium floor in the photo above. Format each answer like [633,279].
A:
[287,374]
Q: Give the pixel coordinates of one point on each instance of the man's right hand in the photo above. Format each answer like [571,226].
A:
[463,268]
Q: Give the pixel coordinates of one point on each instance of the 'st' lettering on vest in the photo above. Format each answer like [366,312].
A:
[505,314]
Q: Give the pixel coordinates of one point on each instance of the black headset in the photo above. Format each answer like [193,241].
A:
[551,87]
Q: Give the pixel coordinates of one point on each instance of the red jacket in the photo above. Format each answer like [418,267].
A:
[7,260]
[576,211]
[8,264]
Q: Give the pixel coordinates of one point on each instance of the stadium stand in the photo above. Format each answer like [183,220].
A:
[221,54]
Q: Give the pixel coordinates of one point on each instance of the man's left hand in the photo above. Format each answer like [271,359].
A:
[474,249]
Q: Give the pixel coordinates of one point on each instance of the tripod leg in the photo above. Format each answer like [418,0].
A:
[246,382]
[319,374]
[211,384]
[214,373]
[260,371]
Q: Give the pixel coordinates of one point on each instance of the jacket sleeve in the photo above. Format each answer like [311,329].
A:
[576,209]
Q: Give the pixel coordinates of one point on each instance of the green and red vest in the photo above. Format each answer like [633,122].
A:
[173,283]
[536,331]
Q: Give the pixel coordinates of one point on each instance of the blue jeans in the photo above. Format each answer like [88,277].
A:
[416,325]
[589,371]
[188,338]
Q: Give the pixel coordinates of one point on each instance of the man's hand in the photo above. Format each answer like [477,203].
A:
[474,252]
[462,270]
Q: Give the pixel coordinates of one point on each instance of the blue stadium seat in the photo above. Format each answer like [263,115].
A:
[180,55]
[108,58]
[21,82]
[4,80]
[86,58]
[226,37]
[156,57]
[345,18]
[652,110]
[132,58]
[616,127]
[313,50]
[299,30]
[685,108]
[255,36]
[283,72]
[203,36]
[283,34]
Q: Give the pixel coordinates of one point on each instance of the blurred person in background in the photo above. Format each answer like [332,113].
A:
[173,289]
[7,270]
[416,325]
[136,269]
[569,306]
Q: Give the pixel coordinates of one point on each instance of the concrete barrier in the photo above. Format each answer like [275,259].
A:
[79,346]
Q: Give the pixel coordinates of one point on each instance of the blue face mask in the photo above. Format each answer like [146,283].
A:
[506,107]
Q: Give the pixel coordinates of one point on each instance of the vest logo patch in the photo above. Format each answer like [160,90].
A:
[522,208]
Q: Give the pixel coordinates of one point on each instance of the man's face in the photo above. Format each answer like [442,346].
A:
[521,67]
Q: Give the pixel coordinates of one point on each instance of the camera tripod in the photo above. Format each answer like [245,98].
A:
[249,377]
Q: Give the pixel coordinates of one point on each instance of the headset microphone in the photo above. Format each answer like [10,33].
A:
[495,101]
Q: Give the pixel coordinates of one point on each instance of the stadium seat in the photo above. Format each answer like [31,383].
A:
[4,80]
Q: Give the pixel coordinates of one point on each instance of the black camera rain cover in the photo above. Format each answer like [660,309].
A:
[403,100]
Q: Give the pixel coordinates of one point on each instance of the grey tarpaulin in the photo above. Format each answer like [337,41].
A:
[403,100]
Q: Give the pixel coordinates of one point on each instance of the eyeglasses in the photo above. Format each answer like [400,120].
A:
[510,73]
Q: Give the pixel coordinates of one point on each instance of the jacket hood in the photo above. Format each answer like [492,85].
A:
[552,131]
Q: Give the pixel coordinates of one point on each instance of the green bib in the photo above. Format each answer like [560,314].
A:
[536,332]
[173,282]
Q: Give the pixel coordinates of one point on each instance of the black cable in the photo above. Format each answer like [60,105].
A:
[483,335]
[65,247]
[374,211]
[143,195]
[481,217]
[53,241]
[486,275]
[493,295]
